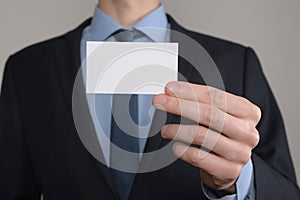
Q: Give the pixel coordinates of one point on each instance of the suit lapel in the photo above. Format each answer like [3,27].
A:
[68,60]
[68,64]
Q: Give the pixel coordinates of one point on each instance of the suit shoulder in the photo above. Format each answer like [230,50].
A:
[213,44]
[35,50]
[45,48]
[229,57]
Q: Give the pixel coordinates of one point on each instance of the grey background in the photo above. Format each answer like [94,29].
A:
[271,27]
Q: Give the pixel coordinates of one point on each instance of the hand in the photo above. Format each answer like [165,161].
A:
[214,112]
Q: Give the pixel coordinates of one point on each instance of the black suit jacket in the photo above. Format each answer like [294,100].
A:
[41,152]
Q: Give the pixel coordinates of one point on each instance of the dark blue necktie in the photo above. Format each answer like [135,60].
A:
[121,138]
[124,180]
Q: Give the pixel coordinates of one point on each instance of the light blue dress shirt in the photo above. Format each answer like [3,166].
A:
[101,28]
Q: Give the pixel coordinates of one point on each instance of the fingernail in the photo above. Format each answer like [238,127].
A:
[160,107]
[161,100]
[176,148]
[164,130]
[173,86]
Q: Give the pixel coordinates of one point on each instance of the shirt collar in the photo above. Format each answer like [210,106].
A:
[102,26]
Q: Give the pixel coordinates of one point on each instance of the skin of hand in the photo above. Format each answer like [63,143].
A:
[225,126]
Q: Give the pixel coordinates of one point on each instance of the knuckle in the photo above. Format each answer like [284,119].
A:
[217,96]
[244,155]
[250,130]
[255,137]
[206,91]
[244,101]
[200,135]
[252,135]
[206,115]
[234,174]
[256,112]
[253,110]
[241,154]
[211,91]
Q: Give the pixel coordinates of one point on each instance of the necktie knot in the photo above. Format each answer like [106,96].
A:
[123,35]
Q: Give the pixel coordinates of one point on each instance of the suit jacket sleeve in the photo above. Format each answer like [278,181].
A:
[273,169]
[16,174]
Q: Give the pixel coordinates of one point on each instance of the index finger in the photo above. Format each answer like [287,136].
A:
[229,103]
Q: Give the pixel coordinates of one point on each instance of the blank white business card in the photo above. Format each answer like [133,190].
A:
[130,67]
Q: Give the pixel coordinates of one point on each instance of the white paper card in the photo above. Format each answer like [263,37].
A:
[130,67]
